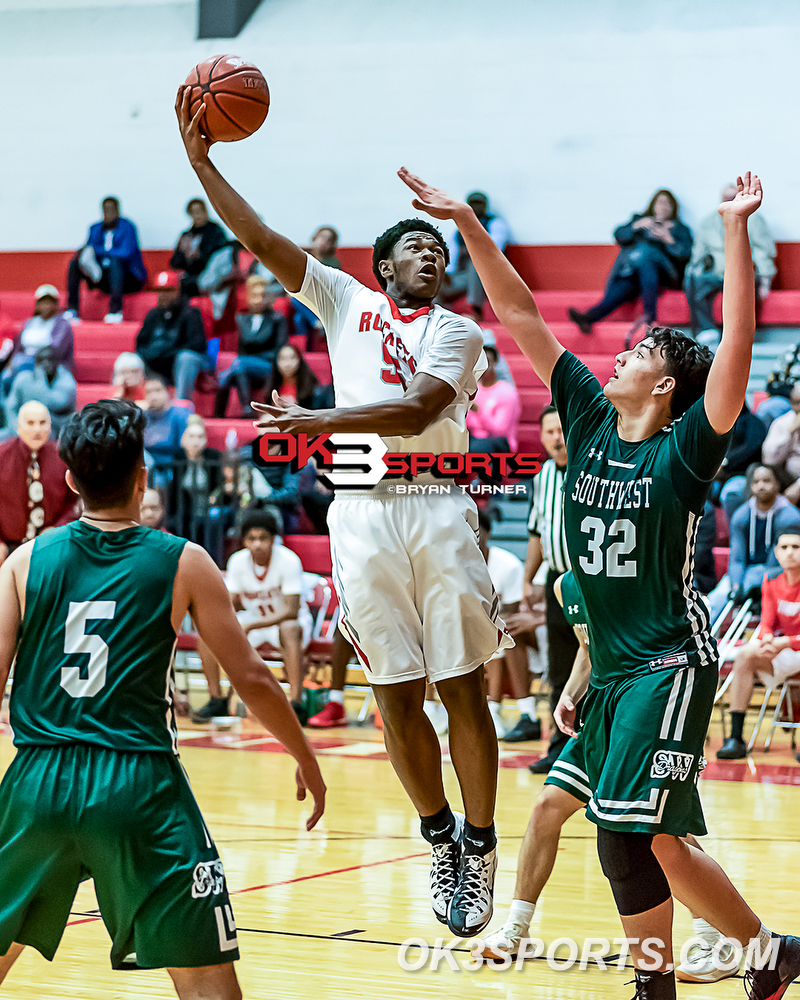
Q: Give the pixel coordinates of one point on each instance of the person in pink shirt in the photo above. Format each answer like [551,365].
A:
[492,421]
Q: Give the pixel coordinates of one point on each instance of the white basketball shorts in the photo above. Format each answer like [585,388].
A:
[414,589]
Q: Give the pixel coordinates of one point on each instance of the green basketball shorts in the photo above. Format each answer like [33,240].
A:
[130,822]
[569,771]
[643,743]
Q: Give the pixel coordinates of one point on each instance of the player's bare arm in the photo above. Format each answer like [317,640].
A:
[408,416]
[285,260]
[200,590]
[510,297]
[290,613]
[13,580]
[727,380]
[578,682]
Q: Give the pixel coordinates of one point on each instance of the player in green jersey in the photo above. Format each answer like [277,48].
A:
[96,789]
[642,452]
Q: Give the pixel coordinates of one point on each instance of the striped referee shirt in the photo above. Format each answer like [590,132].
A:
[546,515]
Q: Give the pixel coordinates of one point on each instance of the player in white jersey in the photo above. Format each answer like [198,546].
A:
[417,600]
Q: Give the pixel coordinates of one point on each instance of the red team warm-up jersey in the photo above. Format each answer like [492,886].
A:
[780,609]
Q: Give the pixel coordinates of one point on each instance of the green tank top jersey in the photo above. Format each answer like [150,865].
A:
[572,604]
[631,511]
[94,663]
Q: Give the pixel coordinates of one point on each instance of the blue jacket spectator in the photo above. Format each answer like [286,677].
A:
[49,383]
[111,261]
[164,430]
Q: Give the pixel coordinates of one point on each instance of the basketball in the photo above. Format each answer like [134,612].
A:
[235,94]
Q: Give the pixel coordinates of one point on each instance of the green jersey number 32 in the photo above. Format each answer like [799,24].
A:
[621,536]
[77,641]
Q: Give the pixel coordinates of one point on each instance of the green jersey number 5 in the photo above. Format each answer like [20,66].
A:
[77,641]
[622,536]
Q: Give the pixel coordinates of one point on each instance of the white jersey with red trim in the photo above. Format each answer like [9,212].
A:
[377,348]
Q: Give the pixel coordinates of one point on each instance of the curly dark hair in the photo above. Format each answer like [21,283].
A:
[102,445]
[686,361]
[267,520]
[386,242]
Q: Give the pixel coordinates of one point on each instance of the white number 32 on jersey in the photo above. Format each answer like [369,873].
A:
[622,535]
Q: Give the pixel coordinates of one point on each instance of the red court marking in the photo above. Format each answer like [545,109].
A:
[86,920]
[334,871]
[753,771]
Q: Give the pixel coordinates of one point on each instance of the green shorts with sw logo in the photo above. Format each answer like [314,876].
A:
[130,822]
[569,771]
[642,749]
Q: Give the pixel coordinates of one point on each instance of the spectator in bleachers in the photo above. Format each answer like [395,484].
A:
[705,570]
[48,327]
[221,275]
[172,339]
[744,450]
[196,474]
[196,246]
[655,247]
[265,581]
[165,426]
[782,445]
[324,244]
[111,261]
[754,528]
[48,382]
[777,401]
[704,273]
[316,497]
[494,415]
[127,382]
[34,495]
[153,509]
[293,378]
[278,486]
[773,654]
[262,332]
[462,278]
[501,368]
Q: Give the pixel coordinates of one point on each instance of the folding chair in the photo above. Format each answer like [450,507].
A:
[791,684]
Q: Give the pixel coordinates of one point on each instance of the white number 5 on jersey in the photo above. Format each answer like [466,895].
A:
[77,641]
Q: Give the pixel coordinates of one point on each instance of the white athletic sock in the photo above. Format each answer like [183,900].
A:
[520,914]
[763,954]
[337,696]
[527,706]
[703,929]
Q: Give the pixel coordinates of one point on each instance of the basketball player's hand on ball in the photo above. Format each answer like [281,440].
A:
[564,715]
[747,198]
[287,417]
[197,145]
[309,779]
[429,199]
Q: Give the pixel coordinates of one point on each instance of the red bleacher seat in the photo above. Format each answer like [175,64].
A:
[95,367]
[529,439]
[533,401]
[314,552]
[721,555]
[94,337]
[90,392]
[217,430]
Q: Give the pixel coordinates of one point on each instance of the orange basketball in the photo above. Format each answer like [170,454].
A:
[235,94]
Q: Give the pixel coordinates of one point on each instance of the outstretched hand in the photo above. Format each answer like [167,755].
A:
[429,199]
[286,417]
[564,715]
[197,145]
[309,778]
[747,199]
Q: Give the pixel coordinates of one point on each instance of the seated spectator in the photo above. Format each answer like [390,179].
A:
[743,451]
[324,244]
[754,528]
[705,569]
[276,485]
[777,402]
[111,261]
[195,246]
[222,274]
[654,250]
[493,418]
[507,572]
[196,474]
[705,270]
[48,327]
[153,509]
[293,378]
[262,332]
[127,382]
[165,426]
[501,368]
[315,496]
[461,277]
[35,495]
[782,445]
[48,382]
[773,654]
[172,340]
[265,580]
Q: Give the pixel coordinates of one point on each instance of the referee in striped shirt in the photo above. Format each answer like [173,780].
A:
[548,542]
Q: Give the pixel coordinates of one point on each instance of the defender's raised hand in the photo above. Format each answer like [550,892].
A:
[197,145]
[429,199]
[747,199]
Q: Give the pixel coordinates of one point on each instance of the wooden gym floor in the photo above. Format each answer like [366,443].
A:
[321,914]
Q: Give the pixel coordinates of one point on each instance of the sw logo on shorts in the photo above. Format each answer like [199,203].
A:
[208,879]
[678,660]
[671,763]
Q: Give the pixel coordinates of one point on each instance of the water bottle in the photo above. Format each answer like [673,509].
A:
[231,440]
